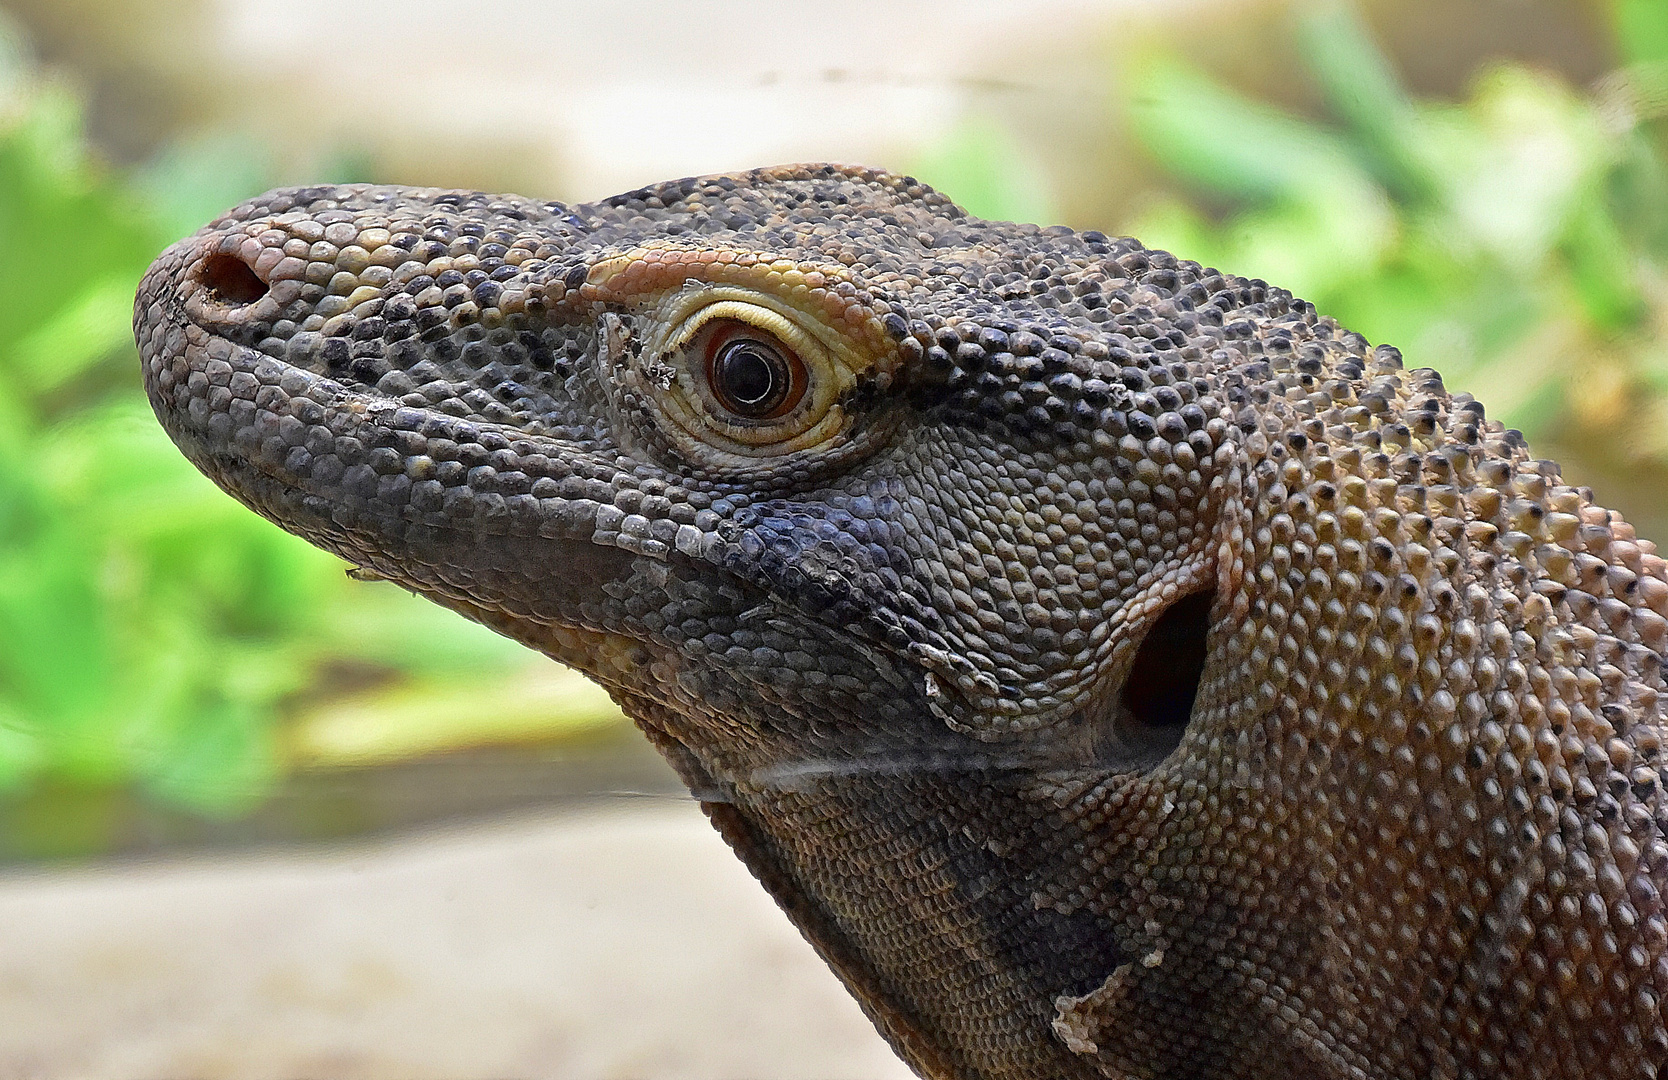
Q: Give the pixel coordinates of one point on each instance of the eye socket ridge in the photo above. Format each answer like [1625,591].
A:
[751,373]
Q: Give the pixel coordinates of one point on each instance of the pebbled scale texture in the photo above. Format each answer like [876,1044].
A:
[1413,823]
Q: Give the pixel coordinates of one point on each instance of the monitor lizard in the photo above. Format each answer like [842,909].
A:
[1113,666]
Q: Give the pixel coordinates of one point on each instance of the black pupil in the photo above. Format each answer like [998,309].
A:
[750,377]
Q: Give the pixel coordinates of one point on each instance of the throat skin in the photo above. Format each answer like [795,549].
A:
[789,841]
[1113,666]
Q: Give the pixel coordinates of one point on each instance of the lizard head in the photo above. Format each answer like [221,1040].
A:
[1113,666]
[811,436]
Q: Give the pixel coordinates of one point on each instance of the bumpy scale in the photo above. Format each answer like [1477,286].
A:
[1114,667]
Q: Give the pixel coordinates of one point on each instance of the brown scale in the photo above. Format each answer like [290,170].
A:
[1457,654]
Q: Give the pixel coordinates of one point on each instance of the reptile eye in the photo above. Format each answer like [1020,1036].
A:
[752,376]
[742,374]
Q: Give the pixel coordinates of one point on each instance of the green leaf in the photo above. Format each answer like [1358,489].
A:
[380,623]
[1360,87]
[20,749]
[1641,28]
[95,324]
[219,761]
[189,183]
[1513,164]
[990,175]
[1223,141]
[1601,266]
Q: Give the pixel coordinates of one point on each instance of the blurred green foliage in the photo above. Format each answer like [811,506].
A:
[152,631]
[987,172]
[1517,241]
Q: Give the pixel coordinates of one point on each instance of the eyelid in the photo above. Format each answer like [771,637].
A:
[684,313]
[793,336]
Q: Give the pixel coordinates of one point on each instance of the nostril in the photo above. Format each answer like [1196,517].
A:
[230,279]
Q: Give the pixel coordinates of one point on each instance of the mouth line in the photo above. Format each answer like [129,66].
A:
[445,553]
[363,451]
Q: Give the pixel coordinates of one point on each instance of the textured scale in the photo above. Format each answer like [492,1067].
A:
[929,658]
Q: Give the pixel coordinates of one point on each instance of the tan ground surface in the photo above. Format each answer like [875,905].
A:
[624,943]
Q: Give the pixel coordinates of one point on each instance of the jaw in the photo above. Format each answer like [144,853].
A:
[512,528]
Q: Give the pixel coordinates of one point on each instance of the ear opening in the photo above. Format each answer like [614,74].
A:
[1163,682]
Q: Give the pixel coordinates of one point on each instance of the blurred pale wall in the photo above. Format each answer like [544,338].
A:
[577,100]
[571,98]
[606,97]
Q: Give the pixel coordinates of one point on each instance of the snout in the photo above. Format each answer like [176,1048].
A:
[375,380]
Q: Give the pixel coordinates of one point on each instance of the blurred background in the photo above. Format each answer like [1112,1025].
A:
[1483,183]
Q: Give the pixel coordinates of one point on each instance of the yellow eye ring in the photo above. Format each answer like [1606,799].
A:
[750,375]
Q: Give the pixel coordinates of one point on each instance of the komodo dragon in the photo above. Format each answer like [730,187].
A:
[1114,667]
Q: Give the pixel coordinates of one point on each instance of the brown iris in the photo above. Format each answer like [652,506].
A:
[750,373]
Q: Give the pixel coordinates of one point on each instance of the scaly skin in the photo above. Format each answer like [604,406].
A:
[923,643]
